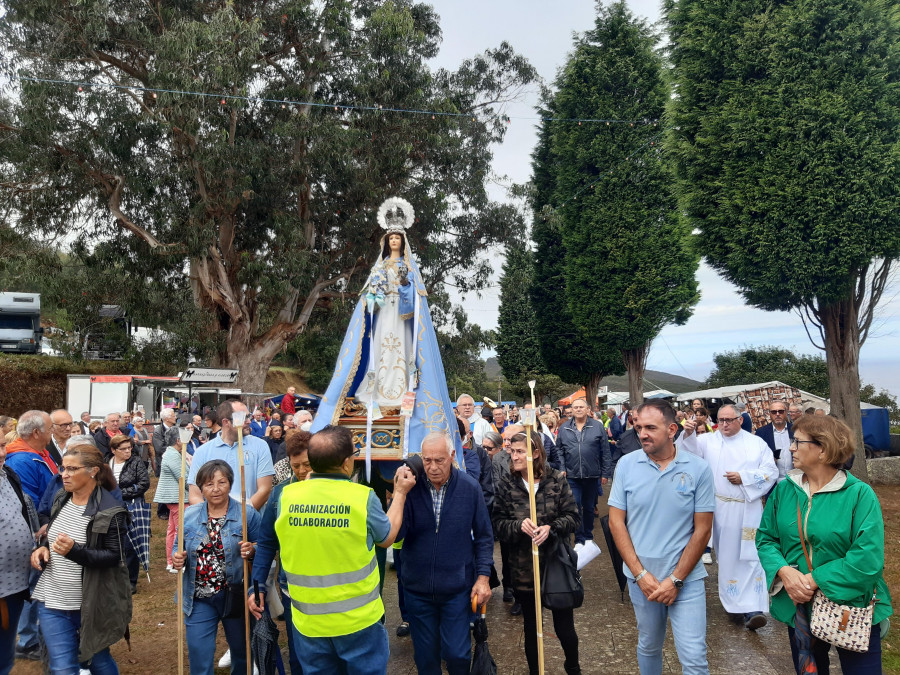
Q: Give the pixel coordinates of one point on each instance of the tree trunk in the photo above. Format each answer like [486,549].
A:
[840,329]
[636,363]
[252,358]
[591,385]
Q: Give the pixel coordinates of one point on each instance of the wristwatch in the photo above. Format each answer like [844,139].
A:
[679,584]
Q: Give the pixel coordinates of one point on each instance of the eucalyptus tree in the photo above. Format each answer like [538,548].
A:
[243,146]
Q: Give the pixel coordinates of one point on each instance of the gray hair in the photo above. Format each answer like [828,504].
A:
[493,437]
[440,436]
[166,414]
[305,414]
[31,421]
[462,396]
[172,436]
[734,408]
[108,415]
[85,439]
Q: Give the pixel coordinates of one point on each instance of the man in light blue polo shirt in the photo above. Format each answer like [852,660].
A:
[660,514]
[258,468]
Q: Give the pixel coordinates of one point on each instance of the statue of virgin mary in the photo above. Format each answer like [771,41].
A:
[389,360]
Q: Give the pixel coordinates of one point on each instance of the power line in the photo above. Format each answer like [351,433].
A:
[224,98]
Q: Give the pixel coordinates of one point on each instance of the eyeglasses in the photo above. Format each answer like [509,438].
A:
[487,447]
[777,412]
[728,420]
[70,469]
[796,444]
[125,446]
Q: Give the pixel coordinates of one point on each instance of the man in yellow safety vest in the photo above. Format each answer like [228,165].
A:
[327,528]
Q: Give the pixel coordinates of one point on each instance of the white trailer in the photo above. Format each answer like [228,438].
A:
[20,323]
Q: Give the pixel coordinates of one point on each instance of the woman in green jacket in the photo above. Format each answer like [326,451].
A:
[844,535]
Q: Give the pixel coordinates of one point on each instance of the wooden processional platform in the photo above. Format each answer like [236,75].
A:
[387,431]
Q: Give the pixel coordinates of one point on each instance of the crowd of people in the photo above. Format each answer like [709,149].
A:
[76,514]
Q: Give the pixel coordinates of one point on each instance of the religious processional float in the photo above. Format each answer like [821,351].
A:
[389,386]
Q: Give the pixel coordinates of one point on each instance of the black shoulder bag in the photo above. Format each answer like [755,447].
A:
[561,586]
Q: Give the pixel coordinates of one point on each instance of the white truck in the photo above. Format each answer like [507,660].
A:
[100,395]
[20,323]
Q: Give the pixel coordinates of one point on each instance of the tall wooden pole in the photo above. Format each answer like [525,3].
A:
[240,431]
[534,547]
[180,589]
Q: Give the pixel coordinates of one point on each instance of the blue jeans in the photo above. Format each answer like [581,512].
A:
[200,632]
[8,636]
[61,629]
[364,652]
[688,616]
[585,491]
[439,626]
[28,626]
[866,663]
[293,661]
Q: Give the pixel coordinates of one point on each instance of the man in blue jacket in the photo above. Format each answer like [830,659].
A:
[448,546]
[584,450]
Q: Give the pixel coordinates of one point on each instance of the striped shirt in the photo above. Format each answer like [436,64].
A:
[60,584]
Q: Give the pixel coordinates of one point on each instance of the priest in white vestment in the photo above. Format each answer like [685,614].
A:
[744,471]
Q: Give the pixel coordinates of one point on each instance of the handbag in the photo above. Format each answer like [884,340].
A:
[840,625]
[234,601]
[561,585]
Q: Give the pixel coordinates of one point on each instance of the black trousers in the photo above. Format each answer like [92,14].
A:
[563,626]
[504,565]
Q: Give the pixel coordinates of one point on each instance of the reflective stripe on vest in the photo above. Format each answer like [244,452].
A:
[331,572]
[326,580]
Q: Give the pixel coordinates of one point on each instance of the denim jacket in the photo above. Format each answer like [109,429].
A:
[195,518]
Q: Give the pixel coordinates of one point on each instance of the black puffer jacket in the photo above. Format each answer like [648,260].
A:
[555,507]
[134,480]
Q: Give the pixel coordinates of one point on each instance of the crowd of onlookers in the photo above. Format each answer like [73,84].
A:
[76,518]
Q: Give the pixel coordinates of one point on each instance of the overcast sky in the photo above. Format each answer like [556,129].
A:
[721,320]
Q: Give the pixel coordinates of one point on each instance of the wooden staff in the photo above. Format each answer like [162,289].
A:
[240,431]
[180,589]
[534,547]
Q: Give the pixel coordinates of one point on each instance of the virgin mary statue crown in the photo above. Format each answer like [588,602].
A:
[396,215]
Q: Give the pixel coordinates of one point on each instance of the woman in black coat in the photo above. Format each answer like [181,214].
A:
[134,480]
[557,518]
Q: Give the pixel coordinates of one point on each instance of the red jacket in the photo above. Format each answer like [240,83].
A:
[287,405]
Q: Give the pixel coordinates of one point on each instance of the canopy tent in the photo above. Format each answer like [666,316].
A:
[617,398]
[733,391]
[574,396]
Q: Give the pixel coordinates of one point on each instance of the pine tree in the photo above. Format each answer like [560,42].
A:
[627,263]
[517,343]
[786,132]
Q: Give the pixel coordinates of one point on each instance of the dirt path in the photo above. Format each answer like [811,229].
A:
[605,625]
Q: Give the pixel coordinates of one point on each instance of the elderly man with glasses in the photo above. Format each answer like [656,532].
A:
[744,472]
[778,435]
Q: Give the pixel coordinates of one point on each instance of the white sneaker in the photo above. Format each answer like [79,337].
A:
[707,559]
[225,661]
[84,671]
[171,570]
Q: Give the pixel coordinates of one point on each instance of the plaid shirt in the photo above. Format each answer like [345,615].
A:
[437,496]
